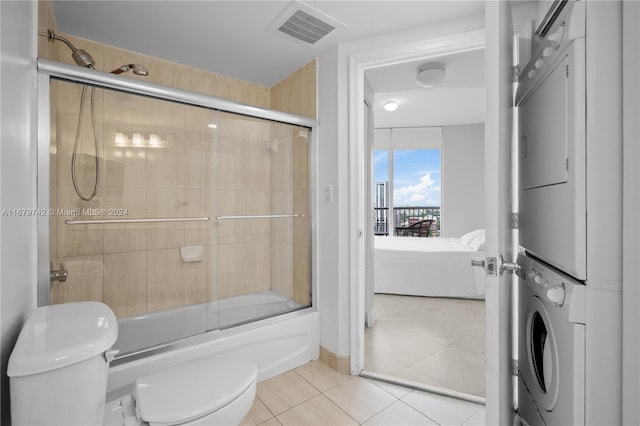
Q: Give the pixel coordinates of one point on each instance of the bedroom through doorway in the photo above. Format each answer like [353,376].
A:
[428,330]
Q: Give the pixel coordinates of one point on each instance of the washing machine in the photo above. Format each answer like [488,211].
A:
[551,353]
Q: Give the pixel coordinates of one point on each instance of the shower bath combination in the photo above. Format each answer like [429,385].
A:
[84,59]
[249,291]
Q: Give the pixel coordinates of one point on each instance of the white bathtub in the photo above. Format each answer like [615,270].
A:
[155,328]
[276,344]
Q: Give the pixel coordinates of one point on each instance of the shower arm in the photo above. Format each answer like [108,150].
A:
[53,36]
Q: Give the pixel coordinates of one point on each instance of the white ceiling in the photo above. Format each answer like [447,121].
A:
[463,70]
[458,100]
[231,37]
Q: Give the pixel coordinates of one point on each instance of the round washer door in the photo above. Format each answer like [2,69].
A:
[542,355]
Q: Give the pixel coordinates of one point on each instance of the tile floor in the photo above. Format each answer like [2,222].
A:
[315,394]
[434,341]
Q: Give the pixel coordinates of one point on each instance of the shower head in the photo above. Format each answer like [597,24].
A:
[83,59]
[80,56]
[136,68]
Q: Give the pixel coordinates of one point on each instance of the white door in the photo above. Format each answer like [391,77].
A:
[498,190]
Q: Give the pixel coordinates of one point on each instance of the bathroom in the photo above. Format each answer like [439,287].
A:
[331,273]
[191,221]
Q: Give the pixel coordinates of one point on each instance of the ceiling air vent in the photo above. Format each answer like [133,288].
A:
[304,23]
[305,27]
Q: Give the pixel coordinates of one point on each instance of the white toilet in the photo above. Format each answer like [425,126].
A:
[58,376]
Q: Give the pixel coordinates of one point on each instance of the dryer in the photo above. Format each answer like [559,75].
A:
[552,143]
[551,356]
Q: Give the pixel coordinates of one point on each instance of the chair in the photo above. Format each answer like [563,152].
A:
[418,229]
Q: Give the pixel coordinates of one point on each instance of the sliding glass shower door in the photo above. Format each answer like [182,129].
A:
[200,218]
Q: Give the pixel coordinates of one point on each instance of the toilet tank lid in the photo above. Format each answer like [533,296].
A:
[192,390]
[57,336]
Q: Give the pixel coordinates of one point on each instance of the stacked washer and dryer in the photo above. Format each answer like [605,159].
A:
[569,280]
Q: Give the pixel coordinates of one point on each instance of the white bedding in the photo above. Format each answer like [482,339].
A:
[437,267]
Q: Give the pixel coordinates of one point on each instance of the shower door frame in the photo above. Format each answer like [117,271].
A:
[48,69]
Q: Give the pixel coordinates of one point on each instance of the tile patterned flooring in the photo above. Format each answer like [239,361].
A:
[315,394]
[433,341]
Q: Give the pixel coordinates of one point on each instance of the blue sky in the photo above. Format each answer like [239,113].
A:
[416,176]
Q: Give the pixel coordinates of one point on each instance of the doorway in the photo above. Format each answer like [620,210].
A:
[363,247]
[429,328]
[499,67]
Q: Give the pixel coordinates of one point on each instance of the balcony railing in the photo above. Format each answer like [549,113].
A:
[404,217]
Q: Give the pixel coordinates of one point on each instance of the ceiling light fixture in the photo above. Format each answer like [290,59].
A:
[431,74]
[391,106]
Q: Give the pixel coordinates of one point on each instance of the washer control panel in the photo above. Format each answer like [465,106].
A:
[555,288]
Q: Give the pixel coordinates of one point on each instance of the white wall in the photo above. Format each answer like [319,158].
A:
[462,179]
[333,169]
[631,215]
[333,242]
[18,28]
[603,381]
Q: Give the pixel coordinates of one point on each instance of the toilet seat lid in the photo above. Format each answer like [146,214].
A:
[192,390]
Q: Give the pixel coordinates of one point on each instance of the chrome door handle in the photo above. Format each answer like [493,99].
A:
[490,265]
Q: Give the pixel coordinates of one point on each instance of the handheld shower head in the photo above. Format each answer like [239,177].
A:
[136,68]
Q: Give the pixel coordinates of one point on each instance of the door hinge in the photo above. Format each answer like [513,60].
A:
[514,367]
[566,164]
[567,70]
[508,266]
[515,220]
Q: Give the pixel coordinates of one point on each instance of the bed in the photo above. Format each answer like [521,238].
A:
[437,267]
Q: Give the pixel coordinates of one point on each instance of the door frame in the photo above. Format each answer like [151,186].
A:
[358,181]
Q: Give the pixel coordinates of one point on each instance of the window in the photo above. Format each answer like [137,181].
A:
[406,189]
[416,177]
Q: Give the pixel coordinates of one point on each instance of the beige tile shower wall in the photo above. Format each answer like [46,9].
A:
[281,153]
[108,58]
[192,171]
[46,21]
[290,238]
[297,93]
[137,268]
[290,246]
[244,170]
[141,267]
[301,226]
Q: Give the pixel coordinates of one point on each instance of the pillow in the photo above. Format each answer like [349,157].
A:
[470,236]
[477,243]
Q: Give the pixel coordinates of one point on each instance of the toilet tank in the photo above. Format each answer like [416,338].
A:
[59,366]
